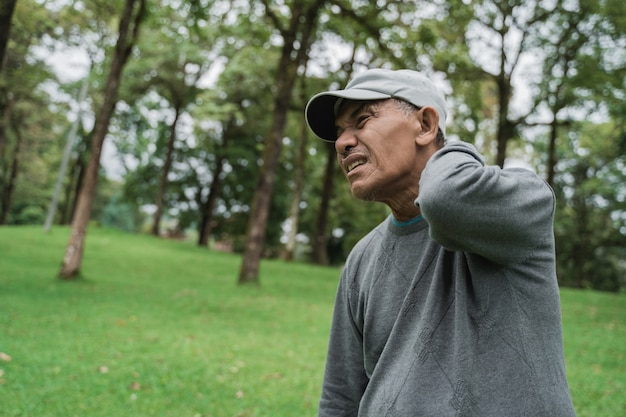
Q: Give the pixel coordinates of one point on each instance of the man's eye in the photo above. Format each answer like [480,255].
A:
[361,120]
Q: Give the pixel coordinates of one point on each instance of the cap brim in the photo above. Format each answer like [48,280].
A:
[320,110]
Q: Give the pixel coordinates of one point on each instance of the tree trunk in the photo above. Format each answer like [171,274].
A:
[583,250]
[6,106]
[320,250]
[67,204]
[203,237]
[552,152]
[167,165]
[66,156]
[79,175]
[505,129]
[287,73]
[72,260]
[259,212]
[9,186]
[207,215]
[6,14]
[294,211]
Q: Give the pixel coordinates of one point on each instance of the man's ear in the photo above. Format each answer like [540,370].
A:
[429,121]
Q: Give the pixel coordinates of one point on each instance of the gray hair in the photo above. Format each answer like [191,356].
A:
[408,109]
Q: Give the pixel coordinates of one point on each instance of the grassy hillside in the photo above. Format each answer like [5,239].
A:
[158,327]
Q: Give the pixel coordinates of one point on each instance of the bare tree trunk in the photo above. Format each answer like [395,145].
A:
[259,213]
[6,14]
[6,106]
[66,157]
[294,211]
[167,166]
[287,73]
[9,186]
[203,235]
[552,152]
[320,250]
[505,128]
[79,175]
[582,249]
[207,216]
[66,205]
[72,260]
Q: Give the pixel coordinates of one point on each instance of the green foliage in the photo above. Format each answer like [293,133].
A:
[28,215]
[121,215]
[215,61]
[590,223]
[128,339]
[28,126]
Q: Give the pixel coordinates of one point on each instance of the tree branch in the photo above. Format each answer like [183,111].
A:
[273,17]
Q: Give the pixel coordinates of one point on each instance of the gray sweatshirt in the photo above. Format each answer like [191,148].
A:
[456,313]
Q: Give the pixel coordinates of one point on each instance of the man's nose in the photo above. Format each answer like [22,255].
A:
[346,141]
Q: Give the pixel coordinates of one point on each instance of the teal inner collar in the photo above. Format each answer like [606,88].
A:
[406,223]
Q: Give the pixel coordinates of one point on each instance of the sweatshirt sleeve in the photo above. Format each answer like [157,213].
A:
[500,214]
[345,378]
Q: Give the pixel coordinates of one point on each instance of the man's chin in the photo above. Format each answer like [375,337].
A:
[362,194]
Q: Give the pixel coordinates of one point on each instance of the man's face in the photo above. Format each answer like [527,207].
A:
[377,151]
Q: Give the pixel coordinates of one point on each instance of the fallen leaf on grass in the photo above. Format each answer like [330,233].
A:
[276,375]
[103,369]
[4,357]
[239,394]
[135,386]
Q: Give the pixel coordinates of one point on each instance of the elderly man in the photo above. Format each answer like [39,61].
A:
[449,307]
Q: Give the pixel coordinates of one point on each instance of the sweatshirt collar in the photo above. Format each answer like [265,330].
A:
[405,227]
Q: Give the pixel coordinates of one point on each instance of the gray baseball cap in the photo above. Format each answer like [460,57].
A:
[374,84]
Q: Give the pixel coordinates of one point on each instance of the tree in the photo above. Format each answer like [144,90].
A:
[299,167]
[66,157]
[590,225]
[297,36]
[583,80]
[6,14]
[482,47]
[174,57]
[320,237]
[581,70]
[130,21]
[25,113]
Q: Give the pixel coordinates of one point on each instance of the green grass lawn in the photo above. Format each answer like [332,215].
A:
[159,328]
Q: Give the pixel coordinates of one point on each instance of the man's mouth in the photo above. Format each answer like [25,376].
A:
[354,164]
